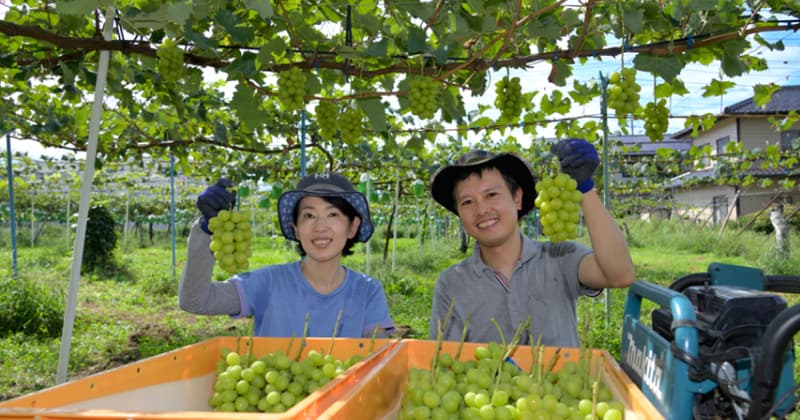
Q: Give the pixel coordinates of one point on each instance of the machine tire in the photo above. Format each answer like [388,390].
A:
[781,283]
[694,279]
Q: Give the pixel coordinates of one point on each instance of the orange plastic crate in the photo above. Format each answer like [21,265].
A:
[379,393]
[178,384]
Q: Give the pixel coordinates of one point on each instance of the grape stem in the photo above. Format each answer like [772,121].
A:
[463,338]
[335,331]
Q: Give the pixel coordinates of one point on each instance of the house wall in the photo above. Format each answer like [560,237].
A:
[757,132]
[696,204]
[723,128]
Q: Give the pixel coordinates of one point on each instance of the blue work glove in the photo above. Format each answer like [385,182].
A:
[578,159]
[215,198]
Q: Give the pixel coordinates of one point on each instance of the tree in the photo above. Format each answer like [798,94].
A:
[369,59]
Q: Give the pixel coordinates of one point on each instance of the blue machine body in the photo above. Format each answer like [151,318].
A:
[658,366]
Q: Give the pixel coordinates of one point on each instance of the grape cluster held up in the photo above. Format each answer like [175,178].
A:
[230,240]
[559,204]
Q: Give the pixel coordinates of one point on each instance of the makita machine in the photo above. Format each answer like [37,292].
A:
[719,344]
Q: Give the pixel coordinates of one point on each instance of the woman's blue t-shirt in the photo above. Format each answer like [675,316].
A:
[279,298]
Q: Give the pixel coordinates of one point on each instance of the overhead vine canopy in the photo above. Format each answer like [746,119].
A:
[361,82]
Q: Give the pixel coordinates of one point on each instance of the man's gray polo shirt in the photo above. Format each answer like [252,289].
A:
[544,286]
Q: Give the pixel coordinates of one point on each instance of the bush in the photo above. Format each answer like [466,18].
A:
[101,239]
[30,308]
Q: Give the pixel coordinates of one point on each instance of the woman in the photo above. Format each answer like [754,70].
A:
[326,216]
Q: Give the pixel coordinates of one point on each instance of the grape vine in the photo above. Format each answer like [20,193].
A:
[292,89]
[558,201]
[423,96]
[170,61]
[509,98]
[623,92]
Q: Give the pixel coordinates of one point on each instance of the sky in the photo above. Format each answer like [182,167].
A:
[784,69]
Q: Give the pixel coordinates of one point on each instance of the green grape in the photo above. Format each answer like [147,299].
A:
[292,89]
[656,121]
[623,92]
[351,126]
[559,206]
[327,119]
[170,61]
[423,95]
[231,240]
[509,98]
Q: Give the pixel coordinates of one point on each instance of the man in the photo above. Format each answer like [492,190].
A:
[510,278]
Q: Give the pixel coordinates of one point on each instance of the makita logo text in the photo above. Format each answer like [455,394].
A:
[644,364]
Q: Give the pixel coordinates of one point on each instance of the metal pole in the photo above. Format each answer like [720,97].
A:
[604,111]
[172,210]
[83,208]
[12,215]
[396,215]
[302,143]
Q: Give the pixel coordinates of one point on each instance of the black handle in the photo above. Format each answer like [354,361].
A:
[769,361]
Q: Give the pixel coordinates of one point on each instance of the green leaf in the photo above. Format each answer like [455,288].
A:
[263,7]
[247,106]
[238,31]
[377,49]
[632,16]
[561,71]
[666,67]
[78,7]
[717,88]
[179,12]
[763,93]
[199,40]
[375,111]
[244,65]
[416,40]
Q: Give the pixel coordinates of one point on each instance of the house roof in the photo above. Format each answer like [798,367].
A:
[647,147]
[785,99]
[711,174]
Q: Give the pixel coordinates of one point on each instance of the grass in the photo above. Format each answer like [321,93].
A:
[130,311]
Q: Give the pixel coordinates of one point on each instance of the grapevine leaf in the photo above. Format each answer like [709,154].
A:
[375,111]
[632,16]
[416,40]
[233,25]
[199,40]
[762,94]
[78,7]
[247,106]
[263,7]
[243,65]
[377,49]
[666,67]
[717,88]
[178,12]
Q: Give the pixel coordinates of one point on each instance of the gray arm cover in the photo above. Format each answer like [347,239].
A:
[196,292]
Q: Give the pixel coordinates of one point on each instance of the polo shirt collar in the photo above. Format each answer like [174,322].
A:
[530,249]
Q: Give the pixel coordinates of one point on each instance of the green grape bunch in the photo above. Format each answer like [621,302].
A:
[489,387]
[272,383]
[509,98]
[423,96]
[292,89]
[327,119]
[623,92]
[351,125]
[230,240]
[559,204]
[656,119]
[170,61]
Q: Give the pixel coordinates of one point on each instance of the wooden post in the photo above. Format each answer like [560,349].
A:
[781,230]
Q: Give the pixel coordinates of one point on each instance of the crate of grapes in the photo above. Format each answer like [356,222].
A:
[219,378]
[484,380]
